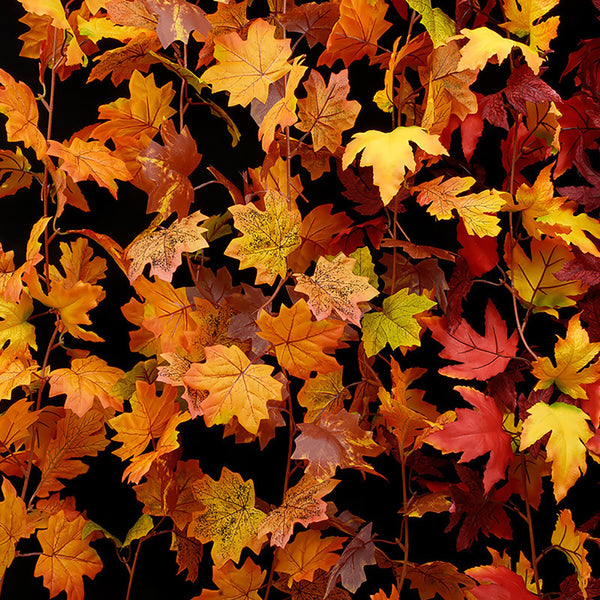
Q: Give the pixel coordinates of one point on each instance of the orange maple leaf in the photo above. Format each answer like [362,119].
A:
[152,418]
[86,379]
[141,115]
[13,519]
[306,553]
[326,111]
[247,67]
[68,440]
[90,160]
[299,342]
[168,167]
[237,388]
[235,584]
[356,33]
[17,102]
[301,504]
[66,556]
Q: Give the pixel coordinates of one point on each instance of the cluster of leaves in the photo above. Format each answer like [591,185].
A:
[315,343]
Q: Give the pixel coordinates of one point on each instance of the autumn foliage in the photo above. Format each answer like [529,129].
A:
[359,277]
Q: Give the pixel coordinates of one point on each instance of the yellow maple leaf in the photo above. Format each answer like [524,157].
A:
[570,541]
[247,67]
[484,44]
[268,236]
[572,355]
[544,214]
[16,334]
[333,286]
[228,518]
[569,431]
[534,278]
[477,211]
[438,24]
[395,324]
[86,379]
[390,155]
[237,388]
[524,19]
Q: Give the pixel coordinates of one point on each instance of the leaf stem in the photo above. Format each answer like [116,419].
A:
[529,524]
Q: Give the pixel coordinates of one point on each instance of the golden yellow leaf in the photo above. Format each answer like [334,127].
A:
[390,155]
[569,431]
[268,236]
[524,19]
[247,67]
[229,518]
[484,44]
[477,211]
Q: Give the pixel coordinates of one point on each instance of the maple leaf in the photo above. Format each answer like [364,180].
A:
[572,355]
[314,21]
[15,172]
[323,392]
[313,590]
[299,342]
[141,115]
[246,68]
[307,552]
[317,230]
[484,44]
[90,160]
[535,278]
[16,334]
[228,518]
[235,584]
[162,248]
[123,61]
[476,432]
[17,102]
[13,519]
[482,512]
[359,553]
[356,32]
[477,211]
[390,155]
[70,439]
[86,379]
[302,504]
[326,111]
[177,19]
[334,286]
[189,554]
[438,24]
[395,324]
[169,167]
[15,428]
[268,236]
[477,356]
[570,541]
[438,577]
[236,387]
[524,19]
[566,450]
[498,582]
[66,556]
[335,440]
